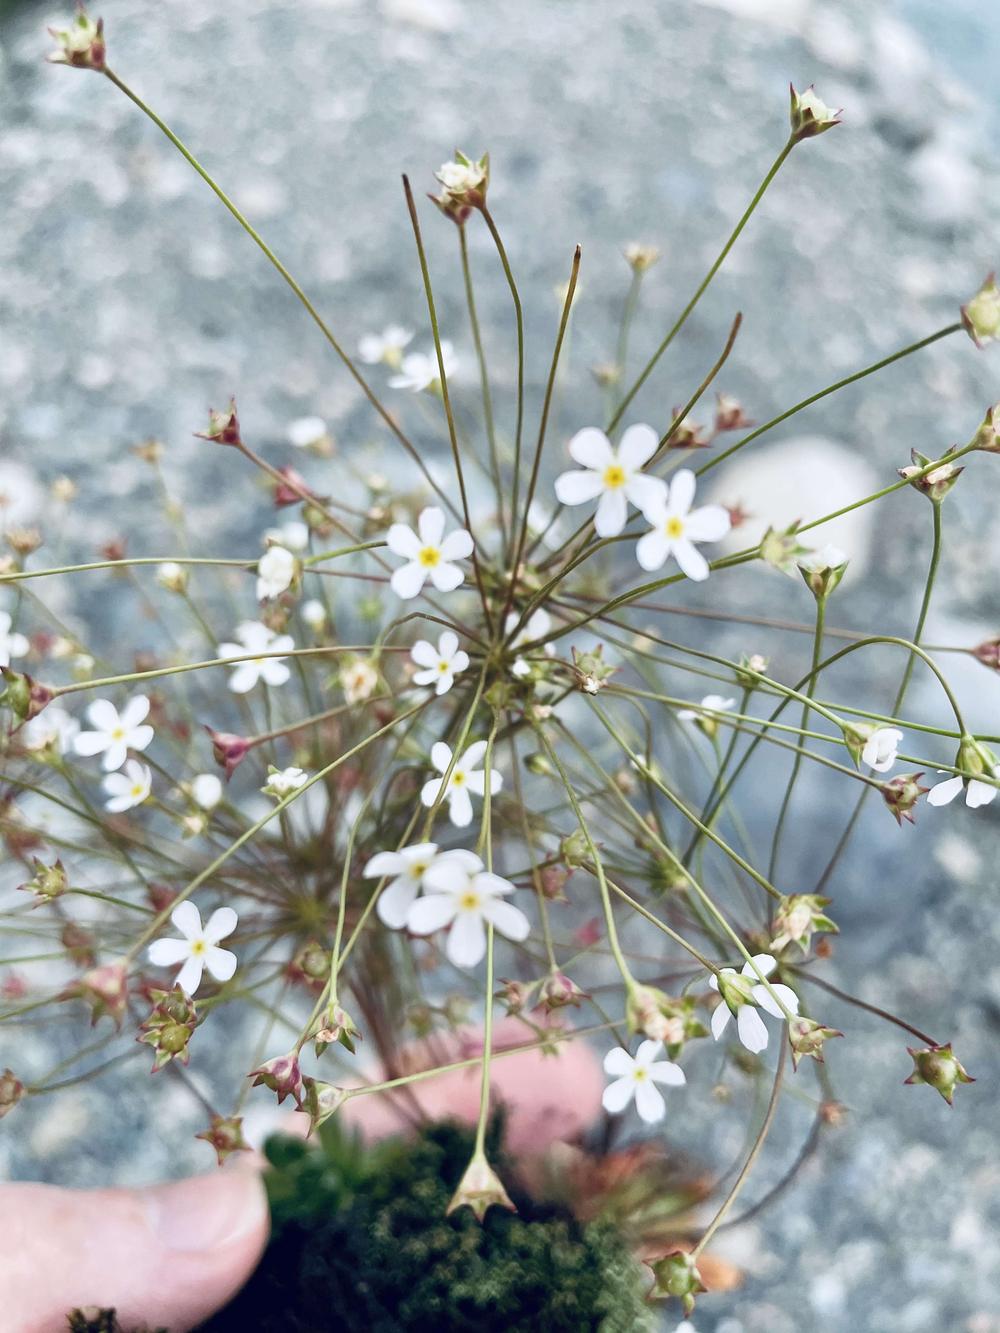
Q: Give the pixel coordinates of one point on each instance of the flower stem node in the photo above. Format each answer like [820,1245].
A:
[591,671]
[676,1274]
[480,1189]
[225,1134]
[223,427]
[798,917]
[104,989]
[938,1067]
[935,484]
[981,315]
[11,1091]
[822,570]
[321,1101]
[282,1075]
[48,882]
[806,1037]
[809,115]
[901,794]
[169,1027]
[81,44]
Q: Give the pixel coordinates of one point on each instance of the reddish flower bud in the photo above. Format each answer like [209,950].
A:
[282,1075]
[293,490]
[988,653]
[225,1134]
[514,995]
[729,414]
[229,749]
[81,45]
[806,1037]
[553,880]
[79,944]
[104,989]
[223,427]
[558,992]
[901,794]
[23,695]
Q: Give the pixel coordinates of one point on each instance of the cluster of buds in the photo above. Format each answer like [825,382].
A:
[223,427]
[806,1037]
[225,1134]
[81,44]
[282,1075]
[480,1189]
[591,671]
[809,115]
[981,315]
[48,882]
[901,794]
[676,1274]
[336,1025]
[104,989]
[11,1091]
[781,549]
[465,184]
[822,570]
[937,1067]
[934,484]
[169,1026]
[661,1018]
[798,917]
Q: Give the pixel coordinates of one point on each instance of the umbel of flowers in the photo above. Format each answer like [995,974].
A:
[461,762]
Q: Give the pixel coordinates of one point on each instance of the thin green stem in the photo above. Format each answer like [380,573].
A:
[519,320]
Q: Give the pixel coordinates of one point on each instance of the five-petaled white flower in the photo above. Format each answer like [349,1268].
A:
[458,178]
[741,991]
[255,637]
[880,748]
[428,555]
[466,777]
[461,894]
[281,782]
[128,789]
[636,1076]
[53,729]
[386,346]
[613,474]
[199,947]
[676,527]
[420,370]
[407,868]
[439,665]
[12,644]
[115,734]
[206,791]
[275,572]
[976,793]
[710,705]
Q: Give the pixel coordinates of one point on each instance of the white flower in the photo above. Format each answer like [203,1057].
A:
[613,474]
[711,704]
[880,748]
[431,554]
[294,536]
[53,727]
[826,558]
[306,431]
[12,644]
[462,895]
[420,370]
[538,624]
[358,680]
[206,791]
[441,664]
[255,637]
[744,990]
[172,576]
[636,1076]
[115,735]
[281,782]
[386,346]
[198,949]
[275,572]
[466,777]
[129,789]
[458,178]
[408,868]
[976,793]
[313,613]
[676,528]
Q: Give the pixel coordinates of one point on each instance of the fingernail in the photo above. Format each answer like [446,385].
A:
[206,1212]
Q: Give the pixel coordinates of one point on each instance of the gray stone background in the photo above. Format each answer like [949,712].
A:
[129,301]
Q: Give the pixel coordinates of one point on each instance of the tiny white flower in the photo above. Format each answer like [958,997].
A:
[461,894]
[744,990]
[358,680]
[255,637]
[275,572]
[114,735]
[439,665]
[676,527]
[825,558]
[172,576]
[199,947]
[12,644]
[206,791]
[466,777]
[53,728]
[538,624]
[710,705]
[313,613]
[127,789]
[294,535]
[282,782]
[976,793]
[880,748]
[636,1077]
[613,474]
[407,868]
[420,370]
[306,431]
[386,346]
[428,555]
[458,178]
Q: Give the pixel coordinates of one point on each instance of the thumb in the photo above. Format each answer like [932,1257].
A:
[169,1255]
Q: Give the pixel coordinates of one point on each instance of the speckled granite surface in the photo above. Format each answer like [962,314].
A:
[129,302]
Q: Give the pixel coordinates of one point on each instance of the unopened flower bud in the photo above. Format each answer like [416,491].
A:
[225,1134]
[104,989]
[988,653]
[987,437]
[797,917]
[81,44]
[981,315]
[79,944]
[606,373]
[809,115]
[574,850]
[23,695]
[822,570]
[465,184]
[480,1189]
[169,1026]
[806,1037]
[729,414]
[23,541]
[336,1025]
[321,1100]
[172,576]
[782,550]
[282,1075]
[677,1275]
[641,257]
[48,882]
[938,1067]
[514,995]
[591,671]
[686,433]
[935,484]
[901,794]
[558,992]
[223,427]
[11,1091]
[750,668]
[229,749]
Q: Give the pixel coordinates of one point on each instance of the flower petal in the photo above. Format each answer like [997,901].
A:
[942,793]
[424,653]
[576,488]
[509,920]
[681,492]
[134,712]
[432,912]
[708,524]
[402,540]
[187,919]
[189,977]
[720,1019]
[407,581]
[430,791]
[667,1072]
[762,996]
[458,545]
[649,1102]
[460,807]
[221,923]
[591,448]
[446,578]
[652,550]
[385,863]
[140,737]
[646,492]
[473,755]
[618,1061]
[761,965]
[448,644]
[690,559]
[638,446]
[430,526]
[979,793]
[221,963]
[612,510]
[466,940]
[103,715]
[617,1095]
[750,1026]
[86,743]
[165,953]
[441,756]
[395,901]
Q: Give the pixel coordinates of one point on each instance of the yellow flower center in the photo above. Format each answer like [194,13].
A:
[614,476]
[457,778]
[674,528]
[136,789]
[429,557]
[639,1074]
[118,734]
[443,668]
[198,947]
[469,901]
